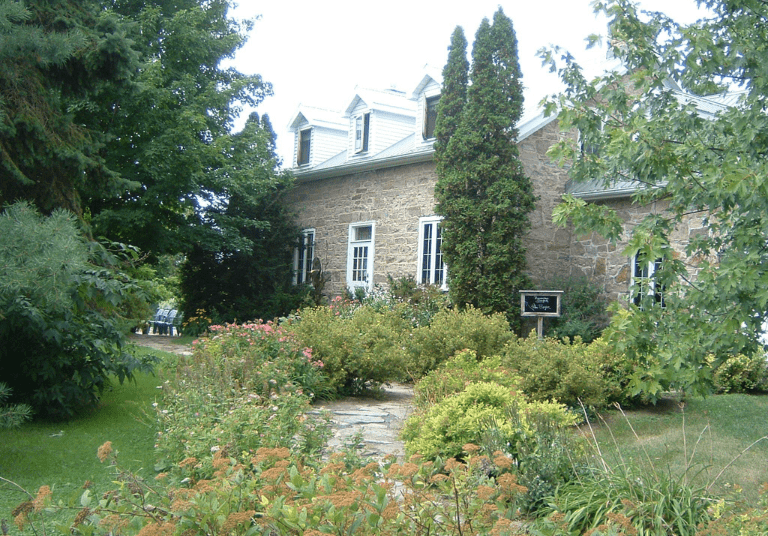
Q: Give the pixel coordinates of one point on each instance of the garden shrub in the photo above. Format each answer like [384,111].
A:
[247,386]
[742,374]
[584,309]
[454,375]
[61,336]
[572,373]
[446,427]
[269,492]
[451,331]
[360,347]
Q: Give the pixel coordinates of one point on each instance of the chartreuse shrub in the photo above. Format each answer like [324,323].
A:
[443,429]
[454,375]
[451,331]
[360,348]
[571,372]
[742,374]
[247,386]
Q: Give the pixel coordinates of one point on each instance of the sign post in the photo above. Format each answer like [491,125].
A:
[540,303]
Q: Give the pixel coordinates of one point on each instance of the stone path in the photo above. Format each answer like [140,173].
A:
[377,420]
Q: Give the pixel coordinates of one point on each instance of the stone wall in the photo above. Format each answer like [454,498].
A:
[395,198]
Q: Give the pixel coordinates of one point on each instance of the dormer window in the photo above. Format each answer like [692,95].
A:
[362,129]
[305,144]
[430,117]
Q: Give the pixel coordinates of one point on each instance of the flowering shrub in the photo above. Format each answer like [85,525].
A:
[570,372]
[742,374]
[451,331]
[454,375]
[271,493]
[261,356]
[359,347]
[245,387]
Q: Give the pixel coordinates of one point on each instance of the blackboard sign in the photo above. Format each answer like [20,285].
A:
[540,302]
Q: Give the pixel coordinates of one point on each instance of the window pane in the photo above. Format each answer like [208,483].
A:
[430,116]
[426,258]
[305,139]
[363,233]
[439,266]
[360,264]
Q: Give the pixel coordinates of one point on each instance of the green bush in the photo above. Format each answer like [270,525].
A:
[451,331]
[742,374]
[584,311]
[360,347]
[446,427]
[454,375]
[572,373]
[60,335]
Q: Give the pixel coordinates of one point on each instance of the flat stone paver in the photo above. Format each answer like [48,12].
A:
[378,421]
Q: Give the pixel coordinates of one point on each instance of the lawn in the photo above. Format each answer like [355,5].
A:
[63,454]
[717,430]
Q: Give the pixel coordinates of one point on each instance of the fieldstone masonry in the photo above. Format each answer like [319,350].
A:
[396,197]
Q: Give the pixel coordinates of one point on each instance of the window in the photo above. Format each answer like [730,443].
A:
[362,129]
[305,143]
[360,255]
[302,257]
[644,281]
[430,117]
[431,269]
[590,143]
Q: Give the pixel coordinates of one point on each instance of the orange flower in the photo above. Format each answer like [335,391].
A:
[104,451]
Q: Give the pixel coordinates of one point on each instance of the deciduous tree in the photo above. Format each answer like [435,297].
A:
[708,166]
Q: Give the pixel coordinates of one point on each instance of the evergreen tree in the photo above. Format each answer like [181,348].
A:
[482,191]
[58,61]
[453,96]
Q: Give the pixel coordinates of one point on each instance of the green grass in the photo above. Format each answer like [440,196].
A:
[717,430]
[63,454]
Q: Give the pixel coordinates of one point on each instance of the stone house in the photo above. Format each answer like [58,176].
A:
[364,197]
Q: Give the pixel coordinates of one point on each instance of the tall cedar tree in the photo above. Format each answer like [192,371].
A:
[453,96]
[482,191]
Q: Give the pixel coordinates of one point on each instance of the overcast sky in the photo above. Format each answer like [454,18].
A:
[314,52]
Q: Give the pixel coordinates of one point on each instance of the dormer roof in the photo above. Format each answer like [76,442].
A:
[431,75]
[388,100]
[319,117]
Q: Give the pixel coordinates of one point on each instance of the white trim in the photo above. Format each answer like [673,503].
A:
[434,244]
[647,279]
[355,255]
[305,253]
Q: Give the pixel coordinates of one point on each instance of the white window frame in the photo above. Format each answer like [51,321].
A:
[362,132]
[353,257]
[645,282]
[303,256]
[430,247]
